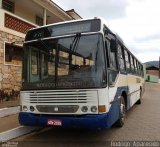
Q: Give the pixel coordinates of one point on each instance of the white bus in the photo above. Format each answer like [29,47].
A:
[78,74]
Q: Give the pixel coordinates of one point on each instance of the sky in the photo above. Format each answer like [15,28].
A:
[137,22]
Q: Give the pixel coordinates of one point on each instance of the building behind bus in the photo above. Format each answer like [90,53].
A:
[17,17]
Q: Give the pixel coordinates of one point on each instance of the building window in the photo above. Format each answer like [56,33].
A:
[39,21]
[8,5]
[13,54]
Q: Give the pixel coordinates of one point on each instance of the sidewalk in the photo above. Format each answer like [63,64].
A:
[9,125]
[9,115]
[9,111]
[13,103]
[9,122]
[9,118]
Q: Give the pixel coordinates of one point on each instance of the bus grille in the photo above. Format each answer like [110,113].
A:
[57,109]
[61,97]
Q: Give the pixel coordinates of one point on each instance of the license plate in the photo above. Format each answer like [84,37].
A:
[54,122]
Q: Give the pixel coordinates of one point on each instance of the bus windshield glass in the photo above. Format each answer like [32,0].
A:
[65,63]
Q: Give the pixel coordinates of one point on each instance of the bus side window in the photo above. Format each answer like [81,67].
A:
[113,67]
[127,61]
[142,72]
[136,67]
[134,70]
[132,64]
[139,70]
[107,52]
[113,59]
[121,58]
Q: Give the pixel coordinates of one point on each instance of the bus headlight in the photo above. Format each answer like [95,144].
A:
[32,108]
[84,109]
[25,108]
[93,109]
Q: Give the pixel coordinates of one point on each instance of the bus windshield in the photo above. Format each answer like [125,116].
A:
[65,63]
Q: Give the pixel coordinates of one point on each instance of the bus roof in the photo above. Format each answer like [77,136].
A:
[63,22]
[103,23]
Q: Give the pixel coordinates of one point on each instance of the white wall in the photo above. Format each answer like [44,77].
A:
[28,10]
[24,12]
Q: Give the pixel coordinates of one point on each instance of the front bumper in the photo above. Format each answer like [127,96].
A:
[83,121]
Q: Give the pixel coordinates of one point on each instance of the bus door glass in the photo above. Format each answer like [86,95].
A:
[112,71]
[34,63]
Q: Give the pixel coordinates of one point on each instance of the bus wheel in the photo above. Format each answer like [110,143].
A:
[140,99]
[122,111]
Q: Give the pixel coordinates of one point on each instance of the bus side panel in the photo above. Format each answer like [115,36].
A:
[134,89]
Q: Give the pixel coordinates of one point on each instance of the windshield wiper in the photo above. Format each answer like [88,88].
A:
[75,42]
[73,47]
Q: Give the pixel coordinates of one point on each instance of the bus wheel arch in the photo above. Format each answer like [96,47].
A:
[124,94]
[122,112]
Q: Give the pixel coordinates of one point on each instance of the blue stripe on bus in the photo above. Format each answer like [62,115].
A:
[113,114]
[105,120]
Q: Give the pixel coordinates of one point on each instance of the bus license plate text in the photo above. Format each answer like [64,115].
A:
[53,122]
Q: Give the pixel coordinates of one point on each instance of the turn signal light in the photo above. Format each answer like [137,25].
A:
[102,108]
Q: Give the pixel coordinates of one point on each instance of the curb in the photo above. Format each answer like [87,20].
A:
[9,111]
[17,132]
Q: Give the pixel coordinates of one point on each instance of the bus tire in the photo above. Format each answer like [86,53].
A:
[140,99]
[122,113]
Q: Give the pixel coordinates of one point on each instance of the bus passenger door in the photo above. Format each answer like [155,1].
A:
[34,63]
[112,82]
[112,68]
